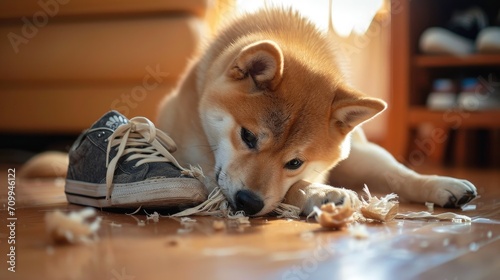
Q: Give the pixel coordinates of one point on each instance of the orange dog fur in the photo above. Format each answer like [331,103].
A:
[266,114]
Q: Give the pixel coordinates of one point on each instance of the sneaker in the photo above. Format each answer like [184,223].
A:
[442,96]
[458,36]
[488,40]
[121,163]
[476,95]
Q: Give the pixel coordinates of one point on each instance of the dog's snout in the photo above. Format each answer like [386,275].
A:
[249,202]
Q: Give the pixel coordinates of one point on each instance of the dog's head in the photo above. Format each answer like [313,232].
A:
[274,116]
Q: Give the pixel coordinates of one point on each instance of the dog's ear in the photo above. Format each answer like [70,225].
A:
[352,108]
[262,61]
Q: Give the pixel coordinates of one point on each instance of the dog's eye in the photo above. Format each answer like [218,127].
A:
[294,164]
[249,138]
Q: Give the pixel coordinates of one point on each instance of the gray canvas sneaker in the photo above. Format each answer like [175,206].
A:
[120,163]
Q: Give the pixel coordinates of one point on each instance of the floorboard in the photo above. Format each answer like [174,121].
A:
[268,248]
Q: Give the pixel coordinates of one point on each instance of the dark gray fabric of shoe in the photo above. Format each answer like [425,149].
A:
[123,163]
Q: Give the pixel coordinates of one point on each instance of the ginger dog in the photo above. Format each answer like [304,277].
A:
[266,114]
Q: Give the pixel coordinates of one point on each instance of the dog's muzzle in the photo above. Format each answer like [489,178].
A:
[249,202]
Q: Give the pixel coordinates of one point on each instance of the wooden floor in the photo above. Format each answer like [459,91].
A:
[268,248]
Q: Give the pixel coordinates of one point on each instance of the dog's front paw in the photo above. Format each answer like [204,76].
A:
[319,194]
[450,192]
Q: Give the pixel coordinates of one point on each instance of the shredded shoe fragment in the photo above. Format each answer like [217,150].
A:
[215,205]
[113,224]
[333,217]
[339,216]
[218,206]
[187,220]
[72,227]
[430,206]
[287,211]
[383,209]
[239,217]
[424,215]
[155,217]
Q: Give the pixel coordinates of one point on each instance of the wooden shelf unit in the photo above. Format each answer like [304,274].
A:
[456,61]
[454,118]
[413,72]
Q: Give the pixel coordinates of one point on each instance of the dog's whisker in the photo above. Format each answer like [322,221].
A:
[242,183]
[317,171]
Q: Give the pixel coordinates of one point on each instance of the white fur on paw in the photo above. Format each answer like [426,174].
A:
[319,194]
[450,192]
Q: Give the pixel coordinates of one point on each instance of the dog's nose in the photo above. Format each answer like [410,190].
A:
[248,202]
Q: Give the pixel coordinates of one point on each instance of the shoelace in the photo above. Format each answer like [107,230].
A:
[140,138]
[143,141]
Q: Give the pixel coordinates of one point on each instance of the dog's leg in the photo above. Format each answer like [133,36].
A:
[306,195]
[372,165]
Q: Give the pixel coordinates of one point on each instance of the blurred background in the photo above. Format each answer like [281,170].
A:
[64,63]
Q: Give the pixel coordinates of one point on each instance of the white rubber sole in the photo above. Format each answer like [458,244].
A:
[159,193]
[441,100]
[488,40]
[474,101]
[436,40]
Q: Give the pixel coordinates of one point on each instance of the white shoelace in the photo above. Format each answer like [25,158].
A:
[142,140]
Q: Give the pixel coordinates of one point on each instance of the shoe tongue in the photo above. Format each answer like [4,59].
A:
[111,120]
[468,23]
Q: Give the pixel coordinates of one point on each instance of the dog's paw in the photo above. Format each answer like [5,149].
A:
[450,192]
[319,194]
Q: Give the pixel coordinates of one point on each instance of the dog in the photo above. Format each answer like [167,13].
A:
[265,112]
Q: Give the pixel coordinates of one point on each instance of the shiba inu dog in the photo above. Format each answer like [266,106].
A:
[266,114]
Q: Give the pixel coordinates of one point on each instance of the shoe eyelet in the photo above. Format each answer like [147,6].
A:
[100,134]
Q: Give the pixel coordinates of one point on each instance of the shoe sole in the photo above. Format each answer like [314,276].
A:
[158,193]
[437,40]
[488,40]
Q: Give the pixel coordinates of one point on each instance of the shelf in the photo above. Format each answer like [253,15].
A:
[454,118]
[451,61]
[413,75]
